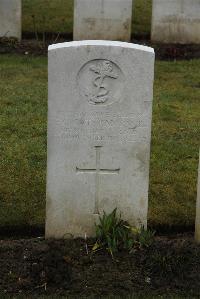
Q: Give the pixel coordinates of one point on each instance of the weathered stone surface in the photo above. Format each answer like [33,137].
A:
[99,131]
[197,223]
[10,18]
[102,19]
[176,21]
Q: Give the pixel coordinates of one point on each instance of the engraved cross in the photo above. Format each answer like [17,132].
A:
[98,171]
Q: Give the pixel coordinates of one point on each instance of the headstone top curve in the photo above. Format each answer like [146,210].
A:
[100,43]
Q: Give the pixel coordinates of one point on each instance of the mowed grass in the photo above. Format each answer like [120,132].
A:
[57,16]
[174,151]
[23,97]
[175,143]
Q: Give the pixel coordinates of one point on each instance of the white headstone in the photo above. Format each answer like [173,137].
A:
[102,19]
[176,21]
[197,224]
[99,131]
[10,18]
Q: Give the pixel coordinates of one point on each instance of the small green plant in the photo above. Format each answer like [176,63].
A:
[114,234]
[145,237]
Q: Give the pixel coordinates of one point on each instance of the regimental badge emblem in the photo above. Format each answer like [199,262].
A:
[101,82]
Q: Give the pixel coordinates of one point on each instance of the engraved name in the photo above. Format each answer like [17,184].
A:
[105,127]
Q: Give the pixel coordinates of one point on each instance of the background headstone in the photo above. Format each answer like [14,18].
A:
[99,131]
[10,18]
[102,19]
[176,21]
[197,224]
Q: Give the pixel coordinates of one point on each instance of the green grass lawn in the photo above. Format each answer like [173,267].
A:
[174,152]
[57,16]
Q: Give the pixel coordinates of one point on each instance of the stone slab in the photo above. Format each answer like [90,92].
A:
[197,223]
[102,19]
[10,18]
[99,132]
[176,21]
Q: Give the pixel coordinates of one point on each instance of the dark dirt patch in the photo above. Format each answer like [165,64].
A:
[35,267]
[176,52]
[39,47]
[25,47]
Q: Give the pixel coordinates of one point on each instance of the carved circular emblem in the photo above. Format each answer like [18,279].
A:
[101,82]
